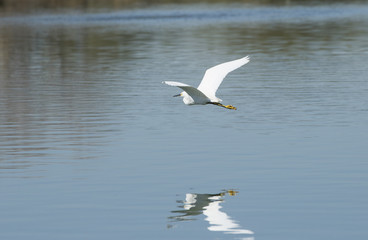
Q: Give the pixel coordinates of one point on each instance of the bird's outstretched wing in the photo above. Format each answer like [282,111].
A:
[197,95]
[215,75]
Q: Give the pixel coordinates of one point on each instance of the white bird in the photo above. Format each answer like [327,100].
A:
[206,91]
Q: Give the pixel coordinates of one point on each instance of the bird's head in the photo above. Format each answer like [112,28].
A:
[182,94]
[187,99]
[178,95]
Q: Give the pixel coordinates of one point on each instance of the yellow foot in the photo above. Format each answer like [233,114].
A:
[232,192]
[229,107]
[221,105]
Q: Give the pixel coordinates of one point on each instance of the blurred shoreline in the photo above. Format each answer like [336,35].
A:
[10,7]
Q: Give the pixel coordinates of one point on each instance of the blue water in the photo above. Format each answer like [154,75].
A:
[94,146]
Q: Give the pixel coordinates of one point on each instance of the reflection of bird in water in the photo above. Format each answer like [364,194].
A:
[193,206]
[206,91]
[209,205]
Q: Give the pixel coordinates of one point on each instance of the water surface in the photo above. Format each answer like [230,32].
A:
[94,146]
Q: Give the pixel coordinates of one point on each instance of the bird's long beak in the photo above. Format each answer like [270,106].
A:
[177,95]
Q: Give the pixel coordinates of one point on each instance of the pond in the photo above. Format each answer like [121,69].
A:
[94,146]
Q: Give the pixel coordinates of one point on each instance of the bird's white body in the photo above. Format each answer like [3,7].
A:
[206,91]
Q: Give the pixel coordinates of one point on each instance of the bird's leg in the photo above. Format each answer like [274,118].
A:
[224,106]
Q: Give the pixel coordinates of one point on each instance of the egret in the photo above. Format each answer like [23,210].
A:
[206,91]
